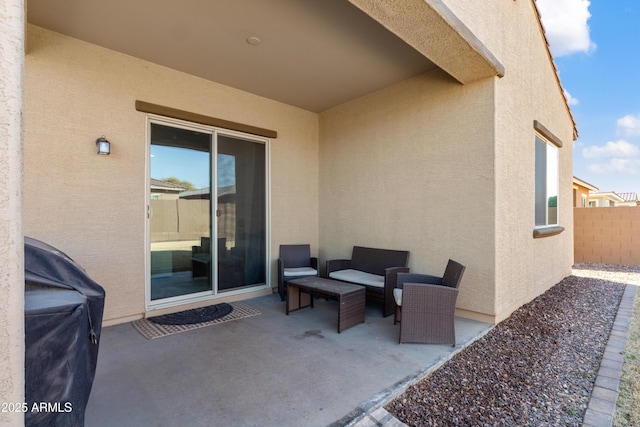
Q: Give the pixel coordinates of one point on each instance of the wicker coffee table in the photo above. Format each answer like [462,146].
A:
[351,298]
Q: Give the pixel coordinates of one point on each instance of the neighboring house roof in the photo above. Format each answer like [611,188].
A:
[555,69]
[610,195]
[157,184]
[629,197]
[223,191]
[198,193]
[195,194]
[585,184]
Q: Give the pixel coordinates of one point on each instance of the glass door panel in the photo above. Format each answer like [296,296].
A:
[180,212]
[241,213]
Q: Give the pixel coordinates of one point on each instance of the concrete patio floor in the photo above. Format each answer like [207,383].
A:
[266,370]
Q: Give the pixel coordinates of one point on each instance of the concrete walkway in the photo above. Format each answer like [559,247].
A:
[278,370]
[266,370]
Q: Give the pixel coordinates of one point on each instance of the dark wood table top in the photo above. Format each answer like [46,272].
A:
[328,286]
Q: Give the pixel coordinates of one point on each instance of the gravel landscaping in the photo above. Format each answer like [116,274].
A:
[536,368]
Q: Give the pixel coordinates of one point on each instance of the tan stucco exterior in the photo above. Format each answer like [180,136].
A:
[524,267]
[391,177]
[438,168]
[94,206]
[440,164]
[432,29]
[581,191]
[430,165]
[11,252]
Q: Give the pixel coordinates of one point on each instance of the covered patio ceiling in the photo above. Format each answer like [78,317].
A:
[308,53]
[311,54]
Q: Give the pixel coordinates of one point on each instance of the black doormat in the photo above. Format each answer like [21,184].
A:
[151,330]
[196,315]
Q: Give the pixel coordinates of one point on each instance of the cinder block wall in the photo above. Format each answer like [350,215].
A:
[607,235]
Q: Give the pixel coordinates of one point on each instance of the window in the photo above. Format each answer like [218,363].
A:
[546,187]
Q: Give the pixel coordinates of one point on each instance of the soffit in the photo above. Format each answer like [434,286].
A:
[313,54]
[436,32]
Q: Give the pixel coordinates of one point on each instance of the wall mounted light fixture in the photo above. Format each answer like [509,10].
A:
[104,146]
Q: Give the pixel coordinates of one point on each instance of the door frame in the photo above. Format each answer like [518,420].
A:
[213,293]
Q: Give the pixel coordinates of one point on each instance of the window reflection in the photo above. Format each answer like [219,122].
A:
[546,182]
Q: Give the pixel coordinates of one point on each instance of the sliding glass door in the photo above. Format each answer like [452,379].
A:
[207,213]
[241,213]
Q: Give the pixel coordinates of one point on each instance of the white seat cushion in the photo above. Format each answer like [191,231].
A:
[300,271]
[358,277]
[397,296]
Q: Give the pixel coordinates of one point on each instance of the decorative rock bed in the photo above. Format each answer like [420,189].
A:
[536,368]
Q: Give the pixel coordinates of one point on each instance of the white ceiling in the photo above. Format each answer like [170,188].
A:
[313,54]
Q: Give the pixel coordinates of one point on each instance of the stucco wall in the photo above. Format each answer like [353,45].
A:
[11,250]
[580,194]
[94,207]
[446,170]
[411,167]
[442,169]
[525,267]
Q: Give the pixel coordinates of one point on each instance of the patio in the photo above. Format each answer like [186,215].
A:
[266,370]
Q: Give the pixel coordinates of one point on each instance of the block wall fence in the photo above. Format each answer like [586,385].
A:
[609,235]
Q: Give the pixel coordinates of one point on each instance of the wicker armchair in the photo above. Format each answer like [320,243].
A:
[425,306]
[295,261]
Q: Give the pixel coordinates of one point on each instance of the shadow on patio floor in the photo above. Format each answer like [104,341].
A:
[266,370]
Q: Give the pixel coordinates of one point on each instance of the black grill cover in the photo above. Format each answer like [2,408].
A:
[63,320]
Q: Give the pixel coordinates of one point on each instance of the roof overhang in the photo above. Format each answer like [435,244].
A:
[585,184]
[555,69]
[435,31]
[609,195]
[311,54]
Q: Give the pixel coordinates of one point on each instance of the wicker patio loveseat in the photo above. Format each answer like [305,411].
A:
[376,269]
